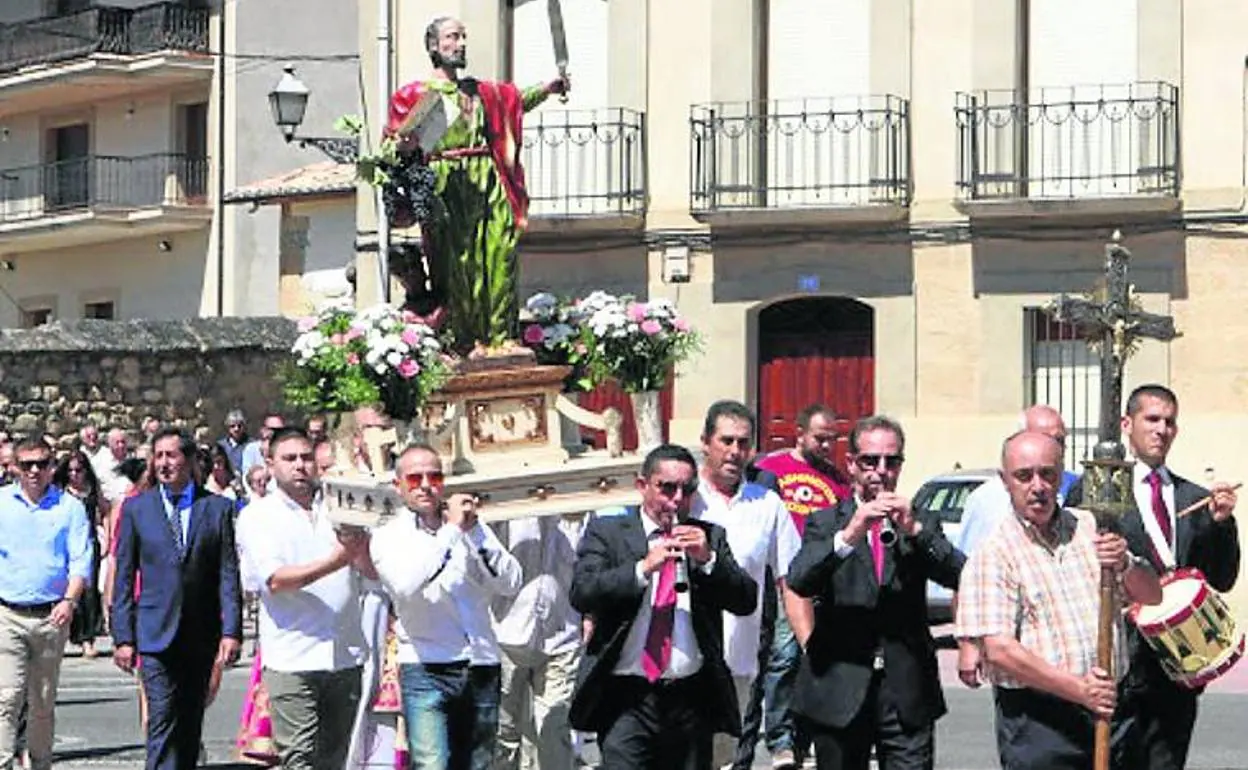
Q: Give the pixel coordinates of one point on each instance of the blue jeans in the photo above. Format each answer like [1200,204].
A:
[772,693]
[451,711]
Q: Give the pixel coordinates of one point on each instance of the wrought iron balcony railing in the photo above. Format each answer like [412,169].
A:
[818,152]
[101,182]
[1098,141]
[585,162]
[103,29]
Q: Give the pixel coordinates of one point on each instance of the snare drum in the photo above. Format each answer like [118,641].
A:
[1192,631]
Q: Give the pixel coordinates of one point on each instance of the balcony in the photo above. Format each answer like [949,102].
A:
[585,169]
[99,198]
[105,51]
[1079,149]
[805,161]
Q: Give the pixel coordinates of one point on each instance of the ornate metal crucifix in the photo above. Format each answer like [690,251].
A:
[1113,323]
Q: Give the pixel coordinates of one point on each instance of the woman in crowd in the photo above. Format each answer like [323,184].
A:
[75,476]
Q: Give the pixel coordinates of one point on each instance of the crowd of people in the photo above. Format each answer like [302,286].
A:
[774,598]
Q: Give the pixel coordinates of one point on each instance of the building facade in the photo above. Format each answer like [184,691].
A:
[114,116]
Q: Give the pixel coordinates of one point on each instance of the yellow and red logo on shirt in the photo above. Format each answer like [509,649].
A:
[805,493]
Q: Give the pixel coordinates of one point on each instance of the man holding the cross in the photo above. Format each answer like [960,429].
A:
[1028,598]
[1155,717]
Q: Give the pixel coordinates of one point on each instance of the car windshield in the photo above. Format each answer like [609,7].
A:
[946,499]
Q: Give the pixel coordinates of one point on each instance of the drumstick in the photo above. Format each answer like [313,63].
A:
[1201,503]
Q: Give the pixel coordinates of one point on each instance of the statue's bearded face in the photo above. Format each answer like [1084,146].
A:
[451,46]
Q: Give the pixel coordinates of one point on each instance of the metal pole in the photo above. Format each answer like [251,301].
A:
[384,89]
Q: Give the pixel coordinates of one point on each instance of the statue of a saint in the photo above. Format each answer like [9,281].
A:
[467,132]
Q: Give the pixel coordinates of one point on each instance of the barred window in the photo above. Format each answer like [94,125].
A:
[1064,373]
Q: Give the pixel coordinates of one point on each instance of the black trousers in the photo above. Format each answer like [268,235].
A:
[877,725]
[1039,731]
[1153,727]
[176,684]
[659,727]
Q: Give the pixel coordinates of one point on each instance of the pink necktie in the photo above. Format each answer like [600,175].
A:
[1160,512]
[877,550]
[658,652]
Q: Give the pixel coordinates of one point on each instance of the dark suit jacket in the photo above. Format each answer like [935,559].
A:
[194,599]
[604,586]
[1199,541]
[855,615]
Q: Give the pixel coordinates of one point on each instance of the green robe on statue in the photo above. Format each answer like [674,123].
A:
[470,240]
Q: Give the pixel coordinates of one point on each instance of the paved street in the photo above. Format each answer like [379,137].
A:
[97,721]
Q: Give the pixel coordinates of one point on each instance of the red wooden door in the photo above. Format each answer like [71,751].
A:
[814,351]
[609,394]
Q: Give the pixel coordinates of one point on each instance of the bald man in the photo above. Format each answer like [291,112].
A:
[1027,597]
[990,503]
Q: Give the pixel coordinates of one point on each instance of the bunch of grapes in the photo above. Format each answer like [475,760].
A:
[409,195]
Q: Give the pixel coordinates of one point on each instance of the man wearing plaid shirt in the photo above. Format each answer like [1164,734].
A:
[1029,598]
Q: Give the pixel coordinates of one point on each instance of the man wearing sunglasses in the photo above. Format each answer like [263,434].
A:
[442,567]
[45,561]
[653,683]
[869,677]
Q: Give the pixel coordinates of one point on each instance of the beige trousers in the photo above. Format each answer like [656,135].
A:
[724,746]
[30,667]
[533,730]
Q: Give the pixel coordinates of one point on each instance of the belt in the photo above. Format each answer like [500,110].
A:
[455,153]
[28,609]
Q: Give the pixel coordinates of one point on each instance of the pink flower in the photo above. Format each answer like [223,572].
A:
[352,334]
[409,317]
[533,334]
[651,327]
[338,339]
[681,325]
[306,324]
[408,368]
[636,311]
[410,337]
[353,359]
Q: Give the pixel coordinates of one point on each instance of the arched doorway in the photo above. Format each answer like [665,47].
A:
[814,349]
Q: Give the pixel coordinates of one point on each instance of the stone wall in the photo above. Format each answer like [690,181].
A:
[188,373]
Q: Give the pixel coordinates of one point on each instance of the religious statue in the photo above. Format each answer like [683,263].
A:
[459,141]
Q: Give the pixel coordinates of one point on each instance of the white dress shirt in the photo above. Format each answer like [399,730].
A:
[1144,501]
[761,534]
[686,659]
[540,618]
[317,627]
[442,584]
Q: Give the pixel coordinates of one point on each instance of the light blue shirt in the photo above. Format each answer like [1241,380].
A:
[251,456]
[42,546]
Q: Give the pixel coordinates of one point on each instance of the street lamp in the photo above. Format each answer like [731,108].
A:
[288,101]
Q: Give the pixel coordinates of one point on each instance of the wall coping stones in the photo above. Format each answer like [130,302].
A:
[200,335]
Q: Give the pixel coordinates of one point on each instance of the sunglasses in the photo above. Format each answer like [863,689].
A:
[873,462]
[35,465]
[1050,474]
[426,479]
[670,488]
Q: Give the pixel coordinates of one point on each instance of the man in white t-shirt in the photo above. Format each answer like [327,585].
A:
[311,632]
[760,533]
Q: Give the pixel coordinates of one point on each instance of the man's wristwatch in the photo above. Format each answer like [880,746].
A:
[72,601]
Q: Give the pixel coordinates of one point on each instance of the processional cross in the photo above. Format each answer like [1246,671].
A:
[1113,323]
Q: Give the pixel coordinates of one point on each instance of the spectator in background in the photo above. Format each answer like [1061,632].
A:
[151,426]
[89,441]
[255,453]
[234,442]
[8,468]
[316,429]
[219,475]
[107,463]
[75,476]
[258,480]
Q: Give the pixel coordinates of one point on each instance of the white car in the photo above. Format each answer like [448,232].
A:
[945,495]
